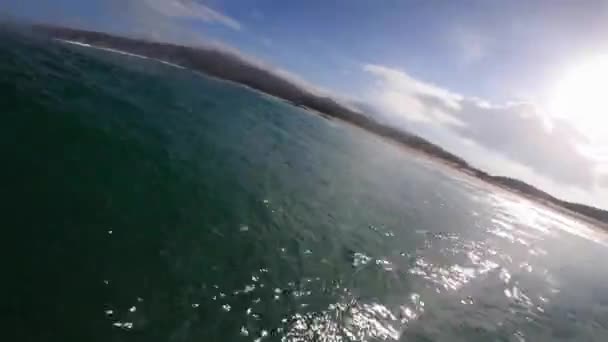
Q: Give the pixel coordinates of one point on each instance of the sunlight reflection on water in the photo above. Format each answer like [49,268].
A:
[489,268]
[514,221]
[498,259]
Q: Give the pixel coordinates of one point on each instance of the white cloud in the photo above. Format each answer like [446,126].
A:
[402,94]
[192,10]
[513,139]
[603,181]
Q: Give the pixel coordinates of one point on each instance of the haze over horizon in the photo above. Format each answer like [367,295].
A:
[514,88]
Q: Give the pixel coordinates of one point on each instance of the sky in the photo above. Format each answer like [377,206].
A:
[515,87]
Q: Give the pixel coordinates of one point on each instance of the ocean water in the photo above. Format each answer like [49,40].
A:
[143,202]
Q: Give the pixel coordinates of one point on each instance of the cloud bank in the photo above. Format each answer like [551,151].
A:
[400,93]
[539,148]
[189,9]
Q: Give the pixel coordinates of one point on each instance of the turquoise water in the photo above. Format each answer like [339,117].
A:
[143,202]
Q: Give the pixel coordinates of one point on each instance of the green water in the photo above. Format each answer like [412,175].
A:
[142,202]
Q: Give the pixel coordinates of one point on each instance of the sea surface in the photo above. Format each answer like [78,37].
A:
[144,202]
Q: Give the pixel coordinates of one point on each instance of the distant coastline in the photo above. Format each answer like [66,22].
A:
[231,67]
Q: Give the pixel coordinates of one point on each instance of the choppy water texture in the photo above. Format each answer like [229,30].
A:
[147,203]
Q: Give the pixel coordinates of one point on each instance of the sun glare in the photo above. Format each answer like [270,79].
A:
[581,96]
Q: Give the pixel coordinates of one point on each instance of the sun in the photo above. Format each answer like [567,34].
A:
[581,96]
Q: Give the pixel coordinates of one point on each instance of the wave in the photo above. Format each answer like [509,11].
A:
[117,51]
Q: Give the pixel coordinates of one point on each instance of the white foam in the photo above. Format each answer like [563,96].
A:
[118,52]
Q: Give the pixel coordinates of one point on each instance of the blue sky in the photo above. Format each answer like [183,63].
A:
[507,43]
[475,76]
